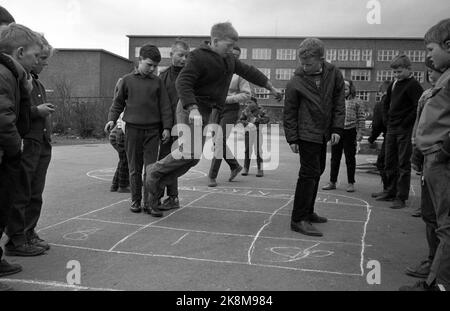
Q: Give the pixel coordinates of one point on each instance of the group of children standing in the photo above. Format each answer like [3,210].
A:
[25,140]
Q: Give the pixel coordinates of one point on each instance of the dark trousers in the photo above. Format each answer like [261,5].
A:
[10,175]
[141,147]
[347,144]
[312,165]
[165,150]
[429,217]
[380,164]
[228,118]
[398,163]
[27,206]
[121,176]
[179,161]
[437,181]
[253,141]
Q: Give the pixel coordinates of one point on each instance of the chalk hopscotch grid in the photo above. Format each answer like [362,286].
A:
[255,237]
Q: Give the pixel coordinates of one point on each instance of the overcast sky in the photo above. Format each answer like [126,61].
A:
[105,23]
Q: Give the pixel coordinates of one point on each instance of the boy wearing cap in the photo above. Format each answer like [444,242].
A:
[202,86]
[433,141]
[147,112]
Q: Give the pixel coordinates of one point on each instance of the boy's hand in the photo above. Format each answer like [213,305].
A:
[335,138]
[277,94]
[109,126]
[195,117]
[294,148]
[45,109]
[165,136]
[359,136]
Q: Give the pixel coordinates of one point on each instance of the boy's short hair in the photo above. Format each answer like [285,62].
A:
[46,46]
[223,31]
[180,43]
[401,61]
[439,33]
[5,17]
[150,51]
[311,47]
[15,36]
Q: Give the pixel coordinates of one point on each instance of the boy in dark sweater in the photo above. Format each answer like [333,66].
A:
[401,107]
[178,54]
[202,87]
[147,112]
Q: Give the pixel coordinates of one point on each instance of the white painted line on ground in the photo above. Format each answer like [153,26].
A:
[266,223]
[252,236]
[363,239]
[111,222]
[205,260]
[155,222]
[179,240]
[85,214]
[57,285]
[267,213]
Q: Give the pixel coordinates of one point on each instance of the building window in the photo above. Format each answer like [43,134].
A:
[165,52]
[378,96]
[385,75]
[284,73]
[136,51]
[343,55]
[416,56]
[265,71]
[355,55]
[286,54]
[331,55]
[363,95]
[243,53]
[263,54]
[387,55]
[419,76]
[366,55]
[261,93]
[360,75]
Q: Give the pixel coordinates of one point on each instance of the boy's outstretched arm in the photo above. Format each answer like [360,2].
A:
[253,75]
[166,112]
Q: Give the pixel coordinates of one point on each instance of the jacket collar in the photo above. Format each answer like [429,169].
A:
[443,80]
[17,69]
[137,73]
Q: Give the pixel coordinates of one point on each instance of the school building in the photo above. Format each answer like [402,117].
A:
[84,73]
[364,60]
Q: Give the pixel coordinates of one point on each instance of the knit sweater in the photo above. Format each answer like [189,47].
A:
[144,101]
[401,104]
[354,115]
[238,93]
[205,79]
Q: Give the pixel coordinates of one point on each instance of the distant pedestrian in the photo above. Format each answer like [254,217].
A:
[252,117]
[355,121]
